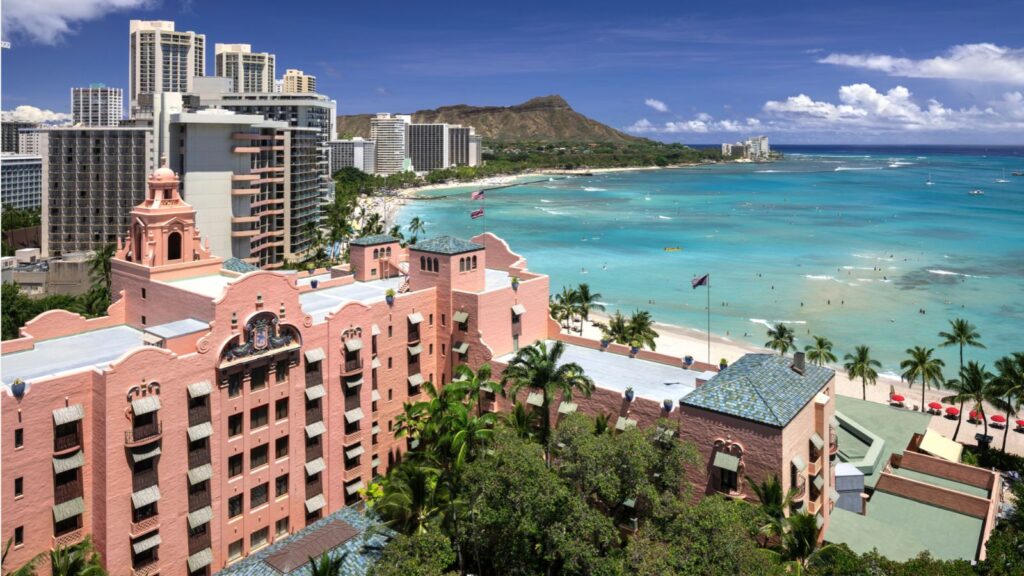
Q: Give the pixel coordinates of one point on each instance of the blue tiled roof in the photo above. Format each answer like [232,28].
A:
[363,549]
[761,387]
[373,240]
[447,245]
[236,265]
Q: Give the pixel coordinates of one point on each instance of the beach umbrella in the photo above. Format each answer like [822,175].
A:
[999,418]
[1020,423]
[952,411]
[935,406]
[973,414]
[898,398]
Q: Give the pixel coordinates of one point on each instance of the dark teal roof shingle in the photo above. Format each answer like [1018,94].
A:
[236,265]
[373,240]
[447,245]
[761,387]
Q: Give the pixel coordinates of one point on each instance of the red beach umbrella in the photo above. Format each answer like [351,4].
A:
[973,414]
[935,406]
[897,398]
[999,418]
[1020,423]
[952,410]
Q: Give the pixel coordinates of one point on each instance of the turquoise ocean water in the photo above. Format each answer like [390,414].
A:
[850,243]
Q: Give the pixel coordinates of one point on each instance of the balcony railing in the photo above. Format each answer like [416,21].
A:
[67,491]
[142,434]
[66,539]
[414,337]
[197,458]
[146,567]
[145,525]
[801,490]
[352,366]
[814,467]
[67,442]
[198,542]
[197,500]
[144,479]
[198,414]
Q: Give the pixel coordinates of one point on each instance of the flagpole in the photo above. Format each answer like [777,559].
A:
[709,319]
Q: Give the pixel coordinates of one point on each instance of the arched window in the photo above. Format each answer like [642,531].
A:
[174,246]
[376,254]
[474,262]
[137,244]
[423,263]
[436,267]
[462,264]
[388,250]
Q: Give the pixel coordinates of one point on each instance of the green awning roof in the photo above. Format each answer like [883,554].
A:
[146,496]
[354,452]
[140,455]
[415,318]
[315,355]
[624,423]
[375,396]
[200,517]
[567,408]
[375,429]
[817,441]
[146,543]
[726,461]
[535,399]
[197,389]
[375,363]
[200,474]
[354,415]
[799,463]
[460,316]
[72,413]
[76,460]
[200,559]
[519,309]
[819,519]
[200,431]
[374,330]
[355,383]
[415,380]
[315,503]
[145,405]
[414,350]
[354,487]
[68,509]
[461,348]
[819,482]
[833,495]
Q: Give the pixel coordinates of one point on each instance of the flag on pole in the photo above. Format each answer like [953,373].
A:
[702,281]
[478,195]
[479,212]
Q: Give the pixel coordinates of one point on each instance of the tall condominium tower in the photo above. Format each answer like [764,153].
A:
[92,178]
[161,60]
[389,132]
[463,146]
[297,82]
[357,152]
[21,180]
[97,105]
[11,129]
[427,146]
[250,71]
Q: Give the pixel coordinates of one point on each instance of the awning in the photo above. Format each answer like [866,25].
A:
[833,422]
[354,451]
[375,363]
[146,496]
[315,392]
[375,461]
[415,318]
[146,543]
[72,413]
[200,517]
[140,455]
[819,519]
[623,423]
[375,396]
[354,487]
[938,445]
[314,467]
[629,502]
[353,344]
[460,316]
[726,461]
[519,309]
[414,350]
[200,431]
[200,559]
[374,330]
[461,348]
[315,503]
[535,399]
[197,389]
[76,460]
[200,474]
[350,384]
[315,355]
[799,463]
[818,482]
[315,429]
[354,415]
[375,429]
[817,441]
[145,405]
[483,387]
[833,495]
[415,380]
[68,509]
[567,408]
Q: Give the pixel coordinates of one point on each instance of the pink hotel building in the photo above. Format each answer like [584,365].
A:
[216,409]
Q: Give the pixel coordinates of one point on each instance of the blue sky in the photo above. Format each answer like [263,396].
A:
[801,72]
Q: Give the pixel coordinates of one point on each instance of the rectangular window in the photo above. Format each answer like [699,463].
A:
[258,456]
[258,539]
[281,527]
[390,331]
[443,349]
[728,480]
[234,550]
[143,320]
[235,506]
[430,319]
[389,362]
[258,495]
[430,349]
[234,425]
[258,378]
[258,417]
[19,437]
[281,371]
[19,536]
[234,384]
[19,487]
[281,486]
[390,394]
[281,409]
[235,466]
[143,293]
[442,319]
[280,447]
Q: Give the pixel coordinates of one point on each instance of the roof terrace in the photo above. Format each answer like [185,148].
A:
[320,303]
[95,348]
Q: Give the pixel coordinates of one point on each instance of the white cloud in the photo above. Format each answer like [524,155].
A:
[656,104]
[978,62]
[702,123]
[35,115]
[47,21]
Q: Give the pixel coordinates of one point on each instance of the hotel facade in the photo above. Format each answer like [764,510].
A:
[218,408]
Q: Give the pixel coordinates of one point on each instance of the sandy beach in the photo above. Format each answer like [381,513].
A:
[680,341]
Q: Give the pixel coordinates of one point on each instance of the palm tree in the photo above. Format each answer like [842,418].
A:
[81,559]
[641,330]
[974,388]
[26,569]
[568,301]
[559,312]
[920,364]
[617,329]
[962,333]
[821,351]
[469,433]
[601,424]
[1010,386]
[416,226]
[521,420]
[774,504]
[587,301]
[100,266]
[411,500]
[326,565]
[780,337]
[538,367]
[801,540]
[477,384]
[861,365]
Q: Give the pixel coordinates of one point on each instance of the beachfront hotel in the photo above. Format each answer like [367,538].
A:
[249,71]
[161,59]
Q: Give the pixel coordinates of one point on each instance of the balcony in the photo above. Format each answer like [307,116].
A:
[67,443]
[198,414]
[800,493]
[67,491]
[351,366]
[197,458]
[314,451]
[146,567]
[66,539]
[142,434]
[197,500]
[144,479]
[833,444]
[145,525]
[814,467]
[414,337]
[813,507]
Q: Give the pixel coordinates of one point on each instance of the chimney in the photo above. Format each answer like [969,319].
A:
[798,363]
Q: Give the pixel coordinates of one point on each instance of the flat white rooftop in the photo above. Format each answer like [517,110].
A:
[650,380]
[178,328]
[211,285]
[88,349]
[320,303]
[496,279]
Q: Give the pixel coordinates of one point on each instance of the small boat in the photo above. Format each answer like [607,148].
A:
[672,248]
[1017,173]
[1002,180]
[976,192]
[929,182]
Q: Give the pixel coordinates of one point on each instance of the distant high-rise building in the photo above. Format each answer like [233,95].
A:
[356,152]
[10,133]
[161,60]
[28,142]
[759,149]
[476,148]
[297,82]
[97,105]
[463,146]
[427,145]
[389,134]
[92,178]
[21,181]
[250,71]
